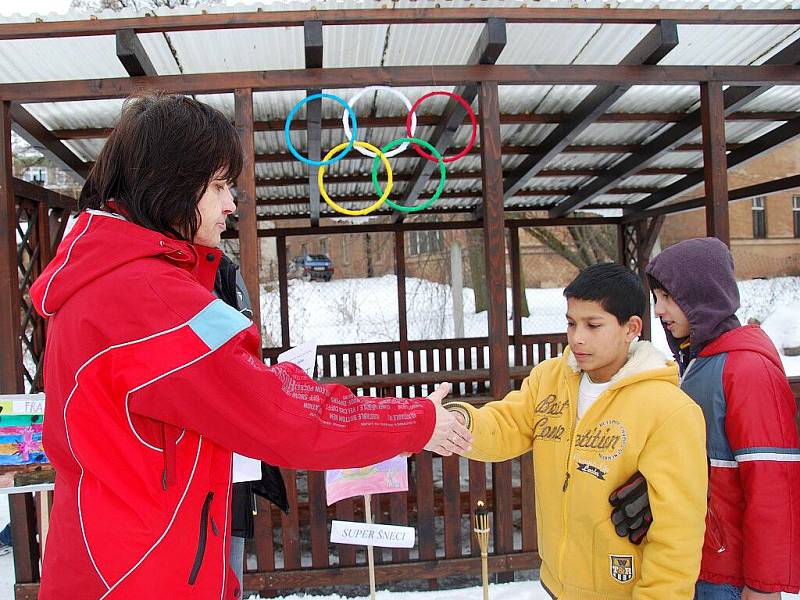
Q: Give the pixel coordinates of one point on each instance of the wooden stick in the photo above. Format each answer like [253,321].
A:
[370,555]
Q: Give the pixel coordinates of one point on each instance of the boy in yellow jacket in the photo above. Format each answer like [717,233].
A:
[609,406]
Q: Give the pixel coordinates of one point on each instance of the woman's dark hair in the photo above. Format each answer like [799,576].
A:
[159,160]
[617,289]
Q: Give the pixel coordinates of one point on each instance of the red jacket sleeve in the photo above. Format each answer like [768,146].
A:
[210,380]
[760,424]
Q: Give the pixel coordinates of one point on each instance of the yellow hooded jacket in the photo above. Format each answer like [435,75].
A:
[642,422]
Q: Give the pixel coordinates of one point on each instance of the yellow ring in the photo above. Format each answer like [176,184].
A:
[363,211]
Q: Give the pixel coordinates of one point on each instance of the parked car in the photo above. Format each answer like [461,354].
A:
[311,266]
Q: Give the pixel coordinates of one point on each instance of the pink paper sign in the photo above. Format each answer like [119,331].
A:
[389,476]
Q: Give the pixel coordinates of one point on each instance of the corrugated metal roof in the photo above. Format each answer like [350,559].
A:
[388,45]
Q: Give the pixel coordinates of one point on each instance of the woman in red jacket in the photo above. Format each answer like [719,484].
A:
[152,382]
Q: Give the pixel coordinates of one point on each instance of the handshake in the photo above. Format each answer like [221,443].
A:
[450,436]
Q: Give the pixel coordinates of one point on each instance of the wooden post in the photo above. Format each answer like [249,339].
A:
[312,35]
[715,162]
[11,359]
[457,287]
[249,245]
[495,257]
[283,289]
[402,316]
[516,291]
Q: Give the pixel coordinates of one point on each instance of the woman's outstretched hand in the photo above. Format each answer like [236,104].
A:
[449,435]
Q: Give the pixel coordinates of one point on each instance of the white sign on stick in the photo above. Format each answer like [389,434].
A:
[304,356]
[365,534]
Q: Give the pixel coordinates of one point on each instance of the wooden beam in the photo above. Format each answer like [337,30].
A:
[463,210]
[249,246]
[313,45]
[742,193]
[408,16]
[11,357]
[462,195]
[650,50]
[487,50]
[132,54]
[715,167]
[433,120]
[427,225]
[38,193]
[733,99]
[465,175]
[510,151]
[42,140]
[766,143]
[401,76]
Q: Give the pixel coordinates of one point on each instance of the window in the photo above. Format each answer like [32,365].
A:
[796,215]
[345,251]
[759,218]
[36,175]
[425,242]
[323,246]
[304,249]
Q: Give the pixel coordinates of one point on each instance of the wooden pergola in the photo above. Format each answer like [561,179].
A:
[497,207]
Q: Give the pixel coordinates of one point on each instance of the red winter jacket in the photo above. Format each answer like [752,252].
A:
[151,382]
[753,519]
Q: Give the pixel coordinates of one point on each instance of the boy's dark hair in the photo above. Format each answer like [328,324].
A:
[159,160]
[617,289]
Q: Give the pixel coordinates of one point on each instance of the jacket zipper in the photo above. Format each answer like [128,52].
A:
[568,471]
[201,542]
[573,417]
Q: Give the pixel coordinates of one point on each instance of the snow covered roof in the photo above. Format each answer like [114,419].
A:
[376,44]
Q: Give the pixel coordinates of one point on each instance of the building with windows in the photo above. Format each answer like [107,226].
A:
[765,230]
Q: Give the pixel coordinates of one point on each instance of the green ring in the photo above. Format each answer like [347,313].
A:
[442,174]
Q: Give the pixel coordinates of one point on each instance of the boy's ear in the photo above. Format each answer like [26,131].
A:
[634,328]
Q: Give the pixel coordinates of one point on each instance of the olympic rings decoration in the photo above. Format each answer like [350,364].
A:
[389,180]
[347,147]
[391,149]
[442,174]
[393,91]
[472,118]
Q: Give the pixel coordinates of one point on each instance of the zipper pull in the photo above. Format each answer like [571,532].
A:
[566,483]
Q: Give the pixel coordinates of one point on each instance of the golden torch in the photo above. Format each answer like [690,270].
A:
[482,531]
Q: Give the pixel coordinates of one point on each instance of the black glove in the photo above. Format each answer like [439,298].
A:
[631,515]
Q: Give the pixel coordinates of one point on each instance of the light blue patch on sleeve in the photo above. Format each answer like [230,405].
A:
[217,323]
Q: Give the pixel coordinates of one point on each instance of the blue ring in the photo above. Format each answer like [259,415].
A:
[343,153]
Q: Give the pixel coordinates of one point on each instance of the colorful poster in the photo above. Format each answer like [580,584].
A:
[389,476]
[21,418]
[22,457]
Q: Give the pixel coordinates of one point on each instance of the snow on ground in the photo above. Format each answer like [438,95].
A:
[523,590]
[365,310]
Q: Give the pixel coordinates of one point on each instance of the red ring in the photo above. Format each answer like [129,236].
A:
[472,118]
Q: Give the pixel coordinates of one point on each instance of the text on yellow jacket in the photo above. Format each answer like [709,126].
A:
[644,422]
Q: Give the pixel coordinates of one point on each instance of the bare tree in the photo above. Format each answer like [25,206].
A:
[581,245]
[117,5]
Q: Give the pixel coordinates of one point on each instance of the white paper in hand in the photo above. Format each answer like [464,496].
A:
[304,356]
[245,468]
